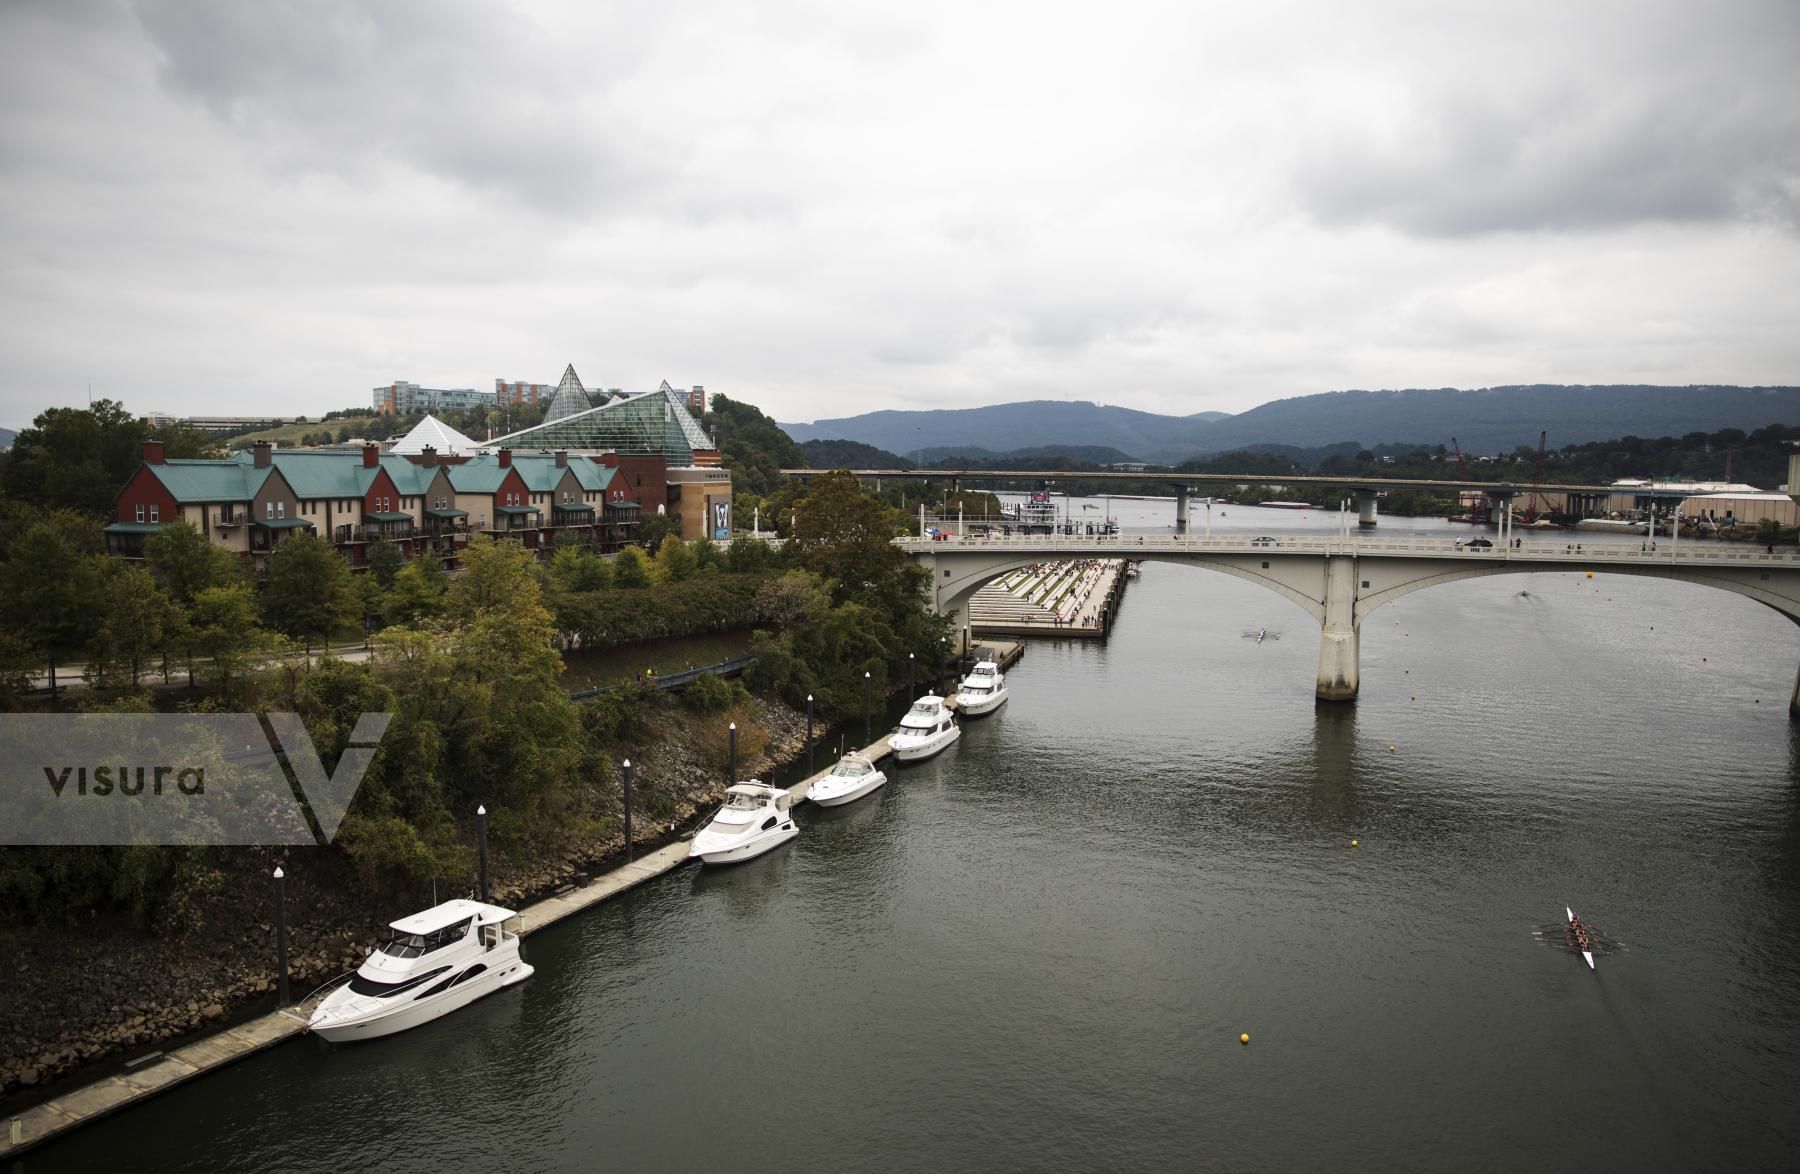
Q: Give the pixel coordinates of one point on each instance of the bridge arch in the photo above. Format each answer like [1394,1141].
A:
[957,583]
[1367,602]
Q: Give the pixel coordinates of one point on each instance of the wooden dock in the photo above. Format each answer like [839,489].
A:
[59,1115]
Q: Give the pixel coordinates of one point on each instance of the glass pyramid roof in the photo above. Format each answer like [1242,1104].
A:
[570,398]
[657,423]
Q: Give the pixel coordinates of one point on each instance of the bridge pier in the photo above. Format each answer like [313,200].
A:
[1181,509]
[1794,702]
[1365,507]
[1340,660]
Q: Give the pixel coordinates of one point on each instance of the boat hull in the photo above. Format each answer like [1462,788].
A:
[1588,954]
[749,849]
[977,708]
[873,783]
[910,751]
[414,1014]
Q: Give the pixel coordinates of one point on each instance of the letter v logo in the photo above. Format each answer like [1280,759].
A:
[328,795]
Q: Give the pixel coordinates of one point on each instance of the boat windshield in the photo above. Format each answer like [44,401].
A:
[414,945]
[977,690]
[740,802]
[925,709]
[849,769]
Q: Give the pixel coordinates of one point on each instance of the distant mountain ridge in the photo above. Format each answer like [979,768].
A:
[1484,420]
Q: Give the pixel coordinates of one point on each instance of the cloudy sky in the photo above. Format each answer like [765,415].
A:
[213,206]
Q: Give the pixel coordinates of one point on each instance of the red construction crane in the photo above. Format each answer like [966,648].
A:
[1462,463]
[1537,478]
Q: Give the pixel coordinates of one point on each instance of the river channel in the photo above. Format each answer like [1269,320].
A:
[1038,951]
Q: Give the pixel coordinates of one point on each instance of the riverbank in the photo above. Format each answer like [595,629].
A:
[87,993]
[543,898]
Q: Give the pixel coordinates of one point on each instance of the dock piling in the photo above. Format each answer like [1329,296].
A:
[281,958]
[628,845]
[481,847]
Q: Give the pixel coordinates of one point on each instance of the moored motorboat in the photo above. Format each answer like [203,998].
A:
[927,728]
[853,777]
[753,819]
[983,690]
[431,964]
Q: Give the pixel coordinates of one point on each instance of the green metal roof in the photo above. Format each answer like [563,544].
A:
[282,523]
[209,480]
[389,516]
[590,475]
[482,474]
[134,527]
[437,513]
[541,473]
[657,423]
[517,509]
[575,505]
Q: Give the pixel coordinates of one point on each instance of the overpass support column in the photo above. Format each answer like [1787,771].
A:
[1365,507]
[1181,509]
[1339,658]
[1794,702]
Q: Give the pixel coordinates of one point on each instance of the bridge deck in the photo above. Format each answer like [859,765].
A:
[1561,553]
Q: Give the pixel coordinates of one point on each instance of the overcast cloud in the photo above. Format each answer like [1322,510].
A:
[212,206]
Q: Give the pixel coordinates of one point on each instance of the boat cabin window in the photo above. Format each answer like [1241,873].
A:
[387,990]
[924,710]
[849,769]
[743,802]
[413,945]
[977,691]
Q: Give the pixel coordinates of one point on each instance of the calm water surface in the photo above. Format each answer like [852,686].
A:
[1037,952]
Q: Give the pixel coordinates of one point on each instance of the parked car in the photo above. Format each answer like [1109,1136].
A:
[1263,540]
[1478,542]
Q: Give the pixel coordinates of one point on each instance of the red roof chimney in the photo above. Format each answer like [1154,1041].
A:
[261,453]
[371,456]
[153,452]
[610,459]
[428,457]
[506,458]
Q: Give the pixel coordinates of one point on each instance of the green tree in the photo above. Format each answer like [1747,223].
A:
[628,569]
[309,595]
[186,562]
[222,627]
[675,561]
[652,529]
[136,620]
[577,569]
[496,575]
[418,592]
[384,561]
[79,458]
[845,535]
[51,591]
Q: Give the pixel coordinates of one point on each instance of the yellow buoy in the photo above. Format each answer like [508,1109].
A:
[1353,843]
[1244,1039]
[1390,749]
[1590,574]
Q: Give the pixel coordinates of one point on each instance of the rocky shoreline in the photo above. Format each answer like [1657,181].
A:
[85,994]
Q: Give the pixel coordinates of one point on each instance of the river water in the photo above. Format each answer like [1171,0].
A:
[1038,951]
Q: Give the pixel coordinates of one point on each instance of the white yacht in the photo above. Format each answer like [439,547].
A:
[431,964]
[853,777]
[983,690]
[927,728]
[754,819]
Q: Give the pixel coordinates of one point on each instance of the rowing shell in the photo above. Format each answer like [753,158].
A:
[1588,954]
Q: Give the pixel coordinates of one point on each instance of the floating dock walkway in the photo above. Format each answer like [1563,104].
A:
[139,1081]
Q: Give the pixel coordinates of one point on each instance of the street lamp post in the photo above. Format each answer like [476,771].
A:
[281,961]
[628,810]
[809,733]
[731,767]
[868,713]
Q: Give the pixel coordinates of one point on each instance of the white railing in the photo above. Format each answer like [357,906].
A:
[1126,545]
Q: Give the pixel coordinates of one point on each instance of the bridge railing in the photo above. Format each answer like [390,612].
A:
[1129,545]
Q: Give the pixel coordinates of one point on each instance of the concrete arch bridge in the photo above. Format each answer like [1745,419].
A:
[1340,579]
